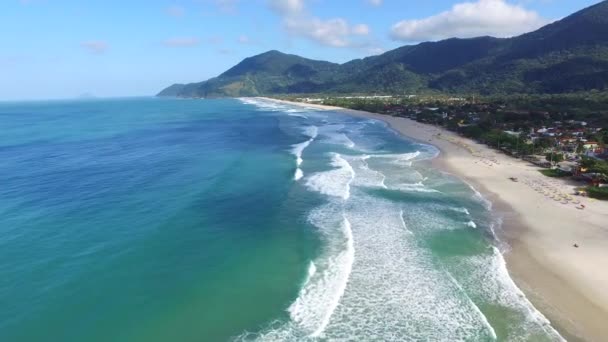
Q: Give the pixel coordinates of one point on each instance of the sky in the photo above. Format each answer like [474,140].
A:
[52,49]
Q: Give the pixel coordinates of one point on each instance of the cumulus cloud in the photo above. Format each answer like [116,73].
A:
[335,32]
[470,19]
[95,46]
[361,30]
[182,42]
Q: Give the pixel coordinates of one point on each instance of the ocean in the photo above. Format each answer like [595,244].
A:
[151,219]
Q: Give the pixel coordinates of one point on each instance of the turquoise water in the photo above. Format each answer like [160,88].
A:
[212,220]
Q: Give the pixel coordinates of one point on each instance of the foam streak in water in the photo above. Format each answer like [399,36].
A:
[483,317]
[319,298]
[336,182]
[402,219]
[298,150]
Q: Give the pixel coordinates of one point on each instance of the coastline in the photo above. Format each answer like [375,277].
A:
[565,283]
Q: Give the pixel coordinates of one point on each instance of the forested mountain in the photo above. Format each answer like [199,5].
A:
[566,56]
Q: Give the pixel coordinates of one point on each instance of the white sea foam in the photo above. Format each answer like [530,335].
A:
[334,134]
[298,149]
[311,131]
[298,115]
[298,174]
[266,105]
[340,139]
[402,219]
[336,182]
[483,317]
[499,288]
[398,158]
[461,210]
[415,187]
[312,269]
[375,281]
[366,176]
[349,143]
[479,197]
[471,224]
[394,291]
[318,299]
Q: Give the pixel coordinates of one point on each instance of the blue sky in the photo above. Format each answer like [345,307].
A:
[64,48]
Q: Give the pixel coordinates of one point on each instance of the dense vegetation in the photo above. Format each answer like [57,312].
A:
[570,55]
[599,193]
[595,166]
[556,173]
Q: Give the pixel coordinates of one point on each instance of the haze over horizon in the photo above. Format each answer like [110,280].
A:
[138,48]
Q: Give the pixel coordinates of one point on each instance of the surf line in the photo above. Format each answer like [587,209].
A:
[477,310]
[349,255]
[298,150]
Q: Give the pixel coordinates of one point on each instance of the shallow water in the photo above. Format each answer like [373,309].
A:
[189,220]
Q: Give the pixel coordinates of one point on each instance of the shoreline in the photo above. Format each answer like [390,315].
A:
[565,283]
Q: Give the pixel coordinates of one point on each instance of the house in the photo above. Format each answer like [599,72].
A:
[590,145]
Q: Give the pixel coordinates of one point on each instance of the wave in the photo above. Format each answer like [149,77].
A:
[374,280]
[401,159]
[265,104]
[336,182]
[461,210]
[472,304]
[299,174]
[368,177]
[298,115]
[402,219]
[480,198]
[340,139]
[347,141]
[499,288]
[320,296]
[298,149]
[394,290]
[415,187]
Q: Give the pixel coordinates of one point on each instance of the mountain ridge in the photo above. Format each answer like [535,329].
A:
[568,55]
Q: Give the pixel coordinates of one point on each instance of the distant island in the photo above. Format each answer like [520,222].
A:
[567,56]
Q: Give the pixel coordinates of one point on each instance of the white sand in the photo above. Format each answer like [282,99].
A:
[570,285]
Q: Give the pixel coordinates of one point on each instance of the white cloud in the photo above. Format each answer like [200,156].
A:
[361,30]
[335,32]
[470,19]
[244,39]
[175,11]
[95,46]
[332,32]
[182,42]
[287,7]
[375,2]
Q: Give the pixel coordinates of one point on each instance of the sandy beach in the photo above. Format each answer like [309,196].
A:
[542,221]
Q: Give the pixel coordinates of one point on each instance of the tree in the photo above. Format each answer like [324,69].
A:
[555,157]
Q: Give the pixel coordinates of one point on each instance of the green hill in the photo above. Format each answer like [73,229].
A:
[566,56]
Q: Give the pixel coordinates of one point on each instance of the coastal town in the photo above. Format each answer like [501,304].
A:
[566,143]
